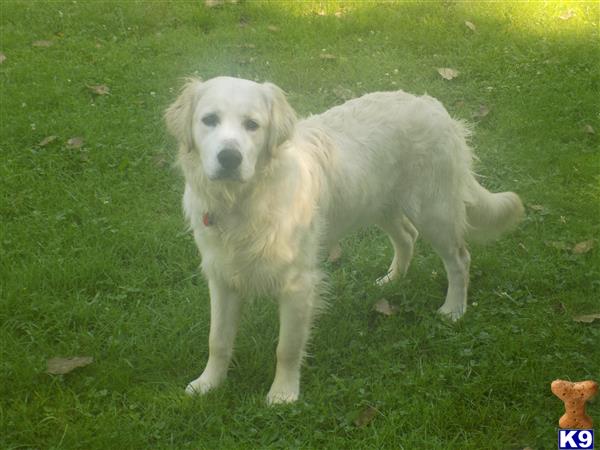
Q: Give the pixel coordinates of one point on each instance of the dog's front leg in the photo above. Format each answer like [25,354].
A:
[224,319]
[296,307]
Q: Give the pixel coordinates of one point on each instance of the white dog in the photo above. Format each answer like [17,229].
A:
[265,195]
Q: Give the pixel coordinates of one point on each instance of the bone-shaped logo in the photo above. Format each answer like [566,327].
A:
[574,395]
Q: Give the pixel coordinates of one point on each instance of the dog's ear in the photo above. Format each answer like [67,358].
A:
[179,115]
[282,117]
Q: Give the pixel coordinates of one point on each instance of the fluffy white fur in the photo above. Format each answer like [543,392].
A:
[389,158]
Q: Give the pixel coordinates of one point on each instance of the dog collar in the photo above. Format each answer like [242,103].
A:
[207,220]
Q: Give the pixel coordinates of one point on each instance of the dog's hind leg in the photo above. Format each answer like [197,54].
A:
[403,236]
[456,261]
[443,231]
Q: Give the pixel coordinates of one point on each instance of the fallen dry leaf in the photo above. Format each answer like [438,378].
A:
[327,56]
[60,366]
[343,93]
[75,142]
[537,208]
[589,129]
[243,22]
[587,318]
[482,112]
[583,247]
[365,417]
[447,73]
[42,43]
[47,140]
[335,253]
[160,161]
[2,57]
[384,307]
[559,307]
[470,25]
[214,3]
[100,89]
[559,245]
[566,15]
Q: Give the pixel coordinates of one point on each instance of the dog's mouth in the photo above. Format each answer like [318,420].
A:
[227,175]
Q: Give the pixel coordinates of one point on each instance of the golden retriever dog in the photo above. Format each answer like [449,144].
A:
[266,195]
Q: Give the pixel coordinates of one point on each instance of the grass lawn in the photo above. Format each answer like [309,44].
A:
[96,260]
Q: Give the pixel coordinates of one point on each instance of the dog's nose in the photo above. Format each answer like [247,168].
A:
[229,158]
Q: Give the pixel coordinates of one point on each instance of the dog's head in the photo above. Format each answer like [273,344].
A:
[234,125]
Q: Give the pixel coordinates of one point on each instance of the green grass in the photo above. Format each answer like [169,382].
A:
[96,259]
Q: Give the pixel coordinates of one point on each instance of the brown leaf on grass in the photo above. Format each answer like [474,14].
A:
[482,112]
[327,56]
[538,208]
[42,43]
[447,73]
[61,366]
[215,3]
[566,15]
[583,247]
[587,318]
[243,22]
[470,25]
[99,89]
[2,57]
[75,142]
[335,253]
[384,307]
[365,417]
[47,140]
[559,307]
[273,28]
[559,245]
[160,161]
[589,129]
[343,93]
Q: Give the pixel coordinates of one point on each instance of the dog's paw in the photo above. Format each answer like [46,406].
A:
[277,396]
[452,312]
[200,386]
[388,277]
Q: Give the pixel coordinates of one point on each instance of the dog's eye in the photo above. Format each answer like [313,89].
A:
[251,125]
[210,120]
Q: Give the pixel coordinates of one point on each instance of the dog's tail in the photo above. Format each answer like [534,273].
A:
[489,214]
